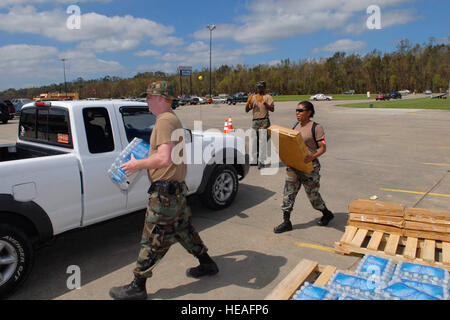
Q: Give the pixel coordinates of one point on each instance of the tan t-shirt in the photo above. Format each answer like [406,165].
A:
[306,133]
[256,103]
[165,124]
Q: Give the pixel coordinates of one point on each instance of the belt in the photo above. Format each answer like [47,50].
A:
[169,187]
[261,119]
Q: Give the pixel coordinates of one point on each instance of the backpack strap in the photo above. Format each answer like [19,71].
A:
[314,133]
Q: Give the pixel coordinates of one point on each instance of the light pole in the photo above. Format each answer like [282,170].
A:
[210,28]
[65,83]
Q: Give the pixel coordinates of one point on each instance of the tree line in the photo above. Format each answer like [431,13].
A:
[416,68]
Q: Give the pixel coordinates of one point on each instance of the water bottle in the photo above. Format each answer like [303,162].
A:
[140,149]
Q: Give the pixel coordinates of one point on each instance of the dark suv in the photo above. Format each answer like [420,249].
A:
[236,98]
[4,113]
[395,95]
[11,109]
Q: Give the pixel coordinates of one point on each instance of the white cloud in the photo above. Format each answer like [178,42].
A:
[343,45]
[166,67]
[270,19]
[10,3]
[147,53]
[25,63]
[98,32]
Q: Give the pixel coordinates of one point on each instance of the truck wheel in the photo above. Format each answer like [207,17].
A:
[4,121]
[16,259]
[222,188]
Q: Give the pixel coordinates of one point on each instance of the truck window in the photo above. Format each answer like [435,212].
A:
[98,130]
[46,125]
[138,122]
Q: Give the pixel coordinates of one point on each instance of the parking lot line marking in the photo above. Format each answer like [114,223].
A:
[314,246]
[438,164]
[417,192]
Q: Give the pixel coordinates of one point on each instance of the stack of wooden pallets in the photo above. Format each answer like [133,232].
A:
[388,230]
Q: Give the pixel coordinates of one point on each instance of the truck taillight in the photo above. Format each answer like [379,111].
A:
[43,104]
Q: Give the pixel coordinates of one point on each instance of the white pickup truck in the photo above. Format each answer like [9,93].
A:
[54,178]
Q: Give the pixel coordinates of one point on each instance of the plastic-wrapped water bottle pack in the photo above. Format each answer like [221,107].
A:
[140,149]
[311,292]
[377,278]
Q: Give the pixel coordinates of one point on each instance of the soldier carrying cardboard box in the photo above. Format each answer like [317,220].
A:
[314,137]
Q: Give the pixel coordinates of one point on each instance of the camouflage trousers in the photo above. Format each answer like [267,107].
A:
[311,181]
[256,125]
[167,221]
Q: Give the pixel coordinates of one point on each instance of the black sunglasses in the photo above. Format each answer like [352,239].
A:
[300,110]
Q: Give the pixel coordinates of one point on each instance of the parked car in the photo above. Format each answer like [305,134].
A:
[11,109]
[184,100]
[350,92]
[194,101]
[237,98]
[395,95]
[54,179]
[202,100]
[320,97]
[427,92]
[404,91]
[221,98]
[19,103]
[4,113]
[382,97]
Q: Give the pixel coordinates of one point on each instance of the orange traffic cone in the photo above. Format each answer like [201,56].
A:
[225,127]
[230,124]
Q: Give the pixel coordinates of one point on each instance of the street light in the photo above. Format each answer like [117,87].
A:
[210,28]
[65,83]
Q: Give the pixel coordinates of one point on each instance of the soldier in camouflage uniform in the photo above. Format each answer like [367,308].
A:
[314,138]
[168,218]
[260,103]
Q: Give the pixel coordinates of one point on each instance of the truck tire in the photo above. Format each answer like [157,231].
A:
[222,188]
[16,259]
[4,121]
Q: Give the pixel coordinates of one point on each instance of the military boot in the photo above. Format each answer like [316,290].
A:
[286,225]
[207,267]
[326,218]
[136,290]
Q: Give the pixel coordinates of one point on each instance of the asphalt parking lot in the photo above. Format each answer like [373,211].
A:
[396,154]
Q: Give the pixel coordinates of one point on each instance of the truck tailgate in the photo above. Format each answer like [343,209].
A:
[53,183]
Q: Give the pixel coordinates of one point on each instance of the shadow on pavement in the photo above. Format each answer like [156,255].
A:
[106,247]
[339,222]
[248,269]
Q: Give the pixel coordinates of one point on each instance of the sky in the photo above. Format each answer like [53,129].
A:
[122,38]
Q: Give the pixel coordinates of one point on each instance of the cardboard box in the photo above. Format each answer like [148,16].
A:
[427,216]
[378,219]
[291,148]
[376,208]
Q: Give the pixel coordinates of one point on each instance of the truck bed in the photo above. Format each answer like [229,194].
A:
[21,151]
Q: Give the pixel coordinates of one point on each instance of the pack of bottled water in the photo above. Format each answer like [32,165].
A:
[430,280]
[311,292]
[356,287]
[422,273]
[140,150]
[402,291]
[376,269]
[380,279]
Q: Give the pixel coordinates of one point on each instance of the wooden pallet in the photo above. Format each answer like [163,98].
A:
[361,241]
[305,271]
